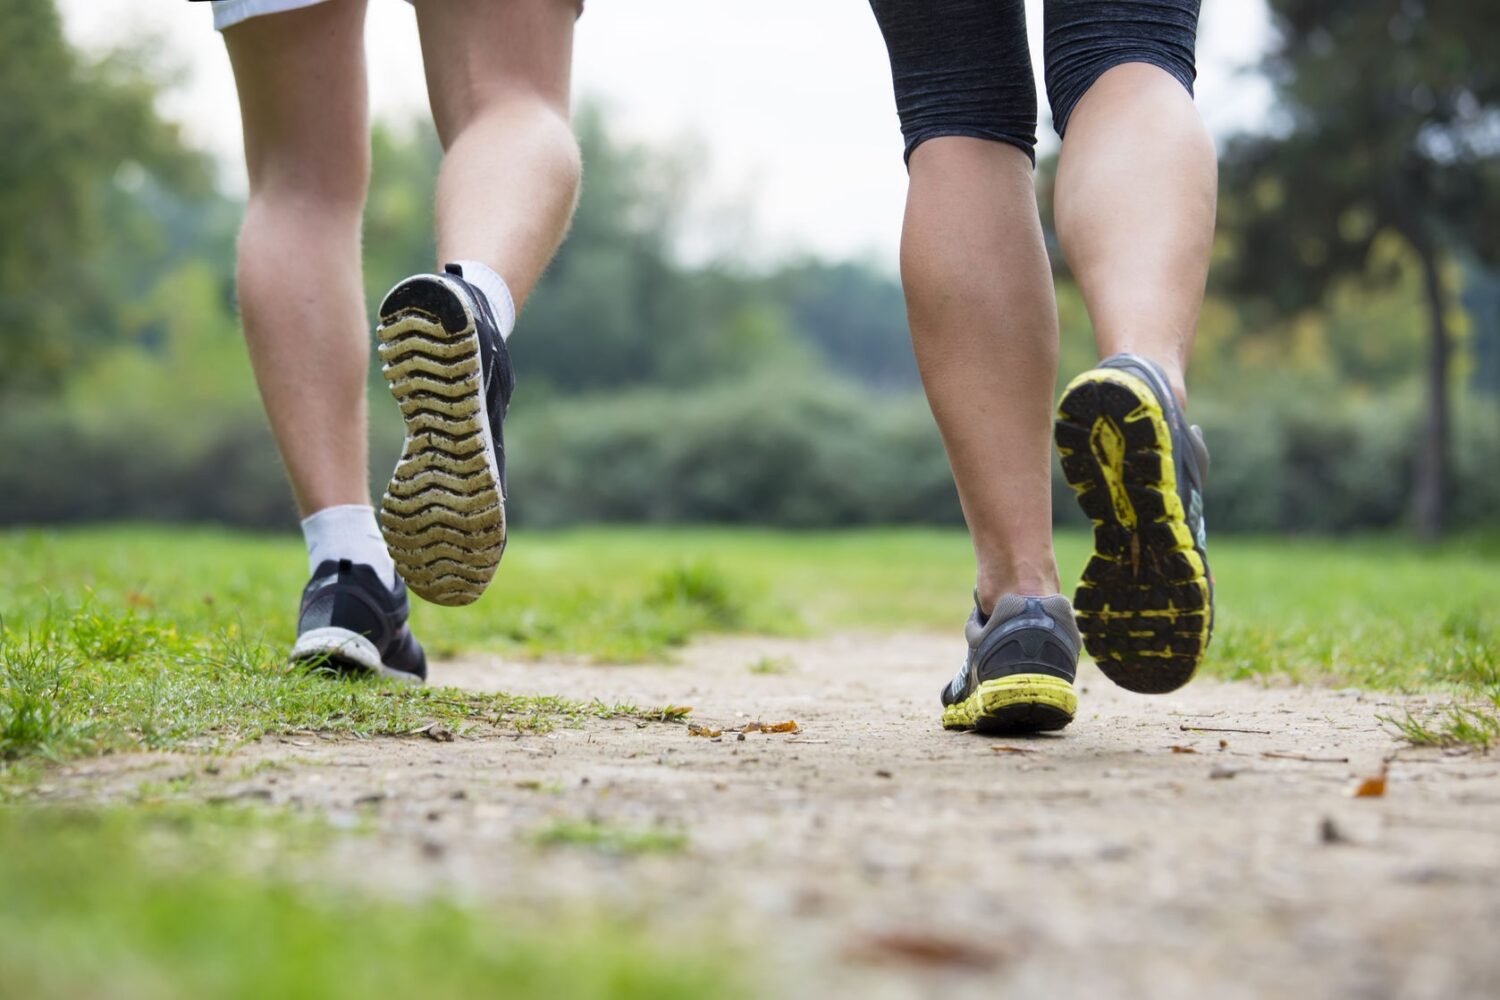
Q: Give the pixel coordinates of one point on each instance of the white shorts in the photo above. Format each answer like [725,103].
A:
[231,12]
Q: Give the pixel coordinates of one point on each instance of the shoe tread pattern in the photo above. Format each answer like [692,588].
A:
[1143,601]
[442,515]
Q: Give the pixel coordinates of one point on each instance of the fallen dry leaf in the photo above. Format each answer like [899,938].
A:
[1369,788]
[921,948]
[698,729]
[1181,749]
[1004,749]
[789,726]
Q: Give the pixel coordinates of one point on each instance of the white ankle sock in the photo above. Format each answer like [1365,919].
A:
[484,278]
[350,532]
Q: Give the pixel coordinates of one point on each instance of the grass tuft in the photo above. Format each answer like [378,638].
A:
[1474,725]
[698,587]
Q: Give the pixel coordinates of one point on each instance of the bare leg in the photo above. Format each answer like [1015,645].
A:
[1137,182]
[497,77]
[301,79]
[984,326]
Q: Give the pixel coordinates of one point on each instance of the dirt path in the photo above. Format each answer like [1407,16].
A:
[874,854]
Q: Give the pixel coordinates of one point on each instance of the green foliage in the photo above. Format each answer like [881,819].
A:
[770,451]
[1285,460]
[651,389]
[854,315]
[94,189]
[164,904]
[1386,129]
[1386,125]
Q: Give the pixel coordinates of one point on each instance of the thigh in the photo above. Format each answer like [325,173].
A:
[960,67]
[303,98]
[479,52]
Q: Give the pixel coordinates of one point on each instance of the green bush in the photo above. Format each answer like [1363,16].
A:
[803,451]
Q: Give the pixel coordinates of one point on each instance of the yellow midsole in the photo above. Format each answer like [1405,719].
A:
[991,697]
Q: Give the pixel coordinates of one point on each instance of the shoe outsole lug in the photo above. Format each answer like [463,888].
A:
[443,514]
[1143,601]
[1014,705]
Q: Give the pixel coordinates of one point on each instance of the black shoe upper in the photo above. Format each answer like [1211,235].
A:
[1024,635]
[352,597]
[495,366]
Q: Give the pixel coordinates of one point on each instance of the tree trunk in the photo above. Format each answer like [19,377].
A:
[1430,490]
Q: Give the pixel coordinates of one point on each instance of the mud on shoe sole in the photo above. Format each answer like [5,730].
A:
[1143,601]
[443,514]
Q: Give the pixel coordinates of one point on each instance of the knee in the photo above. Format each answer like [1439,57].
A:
[320,186]
[1086,39]
[960,69]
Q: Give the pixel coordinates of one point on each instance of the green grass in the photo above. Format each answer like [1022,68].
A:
[609,838]
[130,638]
[94,681]
[156,637]
[214,902]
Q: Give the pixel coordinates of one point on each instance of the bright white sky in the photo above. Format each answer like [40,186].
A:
[789,100]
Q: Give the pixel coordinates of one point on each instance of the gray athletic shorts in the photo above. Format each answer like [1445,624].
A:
[230,12]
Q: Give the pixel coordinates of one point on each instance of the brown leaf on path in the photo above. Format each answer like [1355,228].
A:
[698,729]
[1005,749]
[789,726]
[1181,749]
[924,948]
[1369,788]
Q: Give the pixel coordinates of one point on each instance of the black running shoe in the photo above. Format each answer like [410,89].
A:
[1018,676]
[351,623]
[443,514]
[1146,600]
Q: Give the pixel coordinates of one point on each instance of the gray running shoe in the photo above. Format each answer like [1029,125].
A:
[1146,600]
[1018,676]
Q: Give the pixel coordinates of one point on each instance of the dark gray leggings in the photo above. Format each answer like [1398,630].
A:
[962,67]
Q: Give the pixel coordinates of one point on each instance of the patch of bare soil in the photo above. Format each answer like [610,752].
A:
[1199,844]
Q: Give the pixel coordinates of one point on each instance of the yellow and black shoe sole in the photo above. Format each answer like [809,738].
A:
[1020,703]
[443,514]
[1143,604]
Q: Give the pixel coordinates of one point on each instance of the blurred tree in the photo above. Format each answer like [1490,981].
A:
[1388,122]
[88,167]
[398,213]
[853,314]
